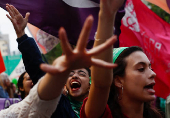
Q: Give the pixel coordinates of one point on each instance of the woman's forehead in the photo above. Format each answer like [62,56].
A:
[79,70]
[137,57]
[26,75]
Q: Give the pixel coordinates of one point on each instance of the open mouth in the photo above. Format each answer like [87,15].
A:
[75,85]
[150,87]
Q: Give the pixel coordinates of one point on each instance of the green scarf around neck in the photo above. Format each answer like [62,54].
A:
[76,106]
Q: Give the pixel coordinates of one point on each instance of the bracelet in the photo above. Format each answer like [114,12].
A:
[95,37]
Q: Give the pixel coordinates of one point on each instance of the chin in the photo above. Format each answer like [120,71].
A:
[75,94]
[150,98]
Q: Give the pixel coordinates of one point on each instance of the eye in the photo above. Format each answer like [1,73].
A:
[82,74]
[71,74]
[141,69]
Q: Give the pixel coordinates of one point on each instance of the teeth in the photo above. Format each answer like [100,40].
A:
[74,82]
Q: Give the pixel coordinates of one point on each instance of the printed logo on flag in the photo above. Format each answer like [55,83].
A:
[130,20]
[47,40]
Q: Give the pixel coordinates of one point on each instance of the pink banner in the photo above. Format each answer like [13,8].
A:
[142,27]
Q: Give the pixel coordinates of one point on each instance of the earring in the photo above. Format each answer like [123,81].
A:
[122,90]
[65,92]
[119,98]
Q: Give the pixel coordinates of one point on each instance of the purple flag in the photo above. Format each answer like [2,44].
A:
[52,14]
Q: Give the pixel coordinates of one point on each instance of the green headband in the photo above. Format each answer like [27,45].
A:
[117,52]
[90,80]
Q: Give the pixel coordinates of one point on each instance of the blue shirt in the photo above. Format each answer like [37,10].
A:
[3,93]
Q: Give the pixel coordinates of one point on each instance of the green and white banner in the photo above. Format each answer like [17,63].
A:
[14,66]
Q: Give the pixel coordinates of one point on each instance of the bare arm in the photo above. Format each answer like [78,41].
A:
[102,78]
[27,46]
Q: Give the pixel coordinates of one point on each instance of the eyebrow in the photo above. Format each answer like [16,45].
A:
[79,71]
[143,63]
[82,71]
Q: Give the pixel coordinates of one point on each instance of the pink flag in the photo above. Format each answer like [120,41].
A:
[142,27]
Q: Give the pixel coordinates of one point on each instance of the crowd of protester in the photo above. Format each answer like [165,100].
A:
[100,83]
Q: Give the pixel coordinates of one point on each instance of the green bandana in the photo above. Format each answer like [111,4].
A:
[76,106]
[117,52]
[90,80]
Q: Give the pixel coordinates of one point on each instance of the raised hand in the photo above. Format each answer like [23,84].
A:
[17,20]
[79,57]
[102,78]
[108,8]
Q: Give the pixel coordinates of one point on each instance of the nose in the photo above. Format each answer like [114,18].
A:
[152,75]
[75,76]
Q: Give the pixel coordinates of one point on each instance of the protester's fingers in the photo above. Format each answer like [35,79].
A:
[12,9]
[27,16]
[85,32]
[15,10]
[64,42]
[7,5]
[9,17]
[100,48]
[9,11]
[48,68]
[101,63]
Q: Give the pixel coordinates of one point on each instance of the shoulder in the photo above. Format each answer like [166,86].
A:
[107,113]
[38,107]
[31,106]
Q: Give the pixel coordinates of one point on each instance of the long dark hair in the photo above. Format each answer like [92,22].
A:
[113,102]
[20,85]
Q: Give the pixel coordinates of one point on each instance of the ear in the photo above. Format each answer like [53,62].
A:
[65,88]
[21,89]
[89,86]
[118,81]
[65,91]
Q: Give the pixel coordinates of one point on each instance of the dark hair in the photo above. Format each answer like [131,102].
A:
[20,85]
[113,102]
[89,71]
